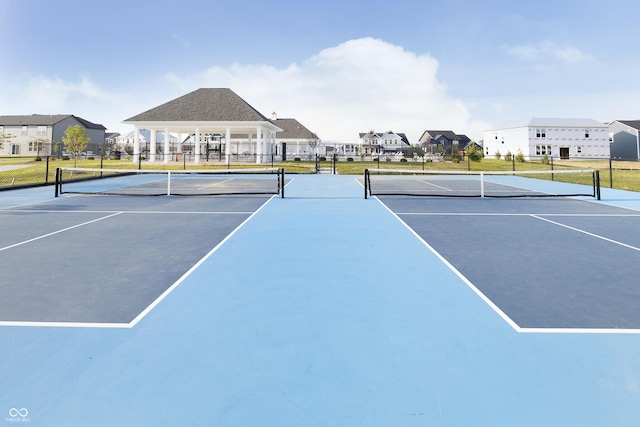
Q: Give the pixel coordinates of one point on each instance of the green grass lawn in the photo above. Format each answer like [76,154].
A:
[624,175]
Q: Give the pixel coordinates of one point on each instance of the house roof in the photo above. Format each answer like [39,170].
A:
[402,136]
[436,134]
[292,129]
[45,120]
[553,122]
[631,123]
[203,105]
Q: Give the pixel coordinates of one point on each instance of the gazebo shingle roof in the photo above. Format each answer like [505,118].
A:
[291,129]
[203,105]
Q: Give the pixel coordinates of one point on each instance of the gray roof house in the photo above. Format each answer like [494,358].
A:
[624,137]
[41,134]
[446,137]
[294,138]
[203,112]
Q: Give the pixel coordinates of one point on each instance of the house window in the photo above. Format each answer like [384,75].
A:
[541,133]
[24,130]
[541,150]
[586,133]
[42,130]
[579,149]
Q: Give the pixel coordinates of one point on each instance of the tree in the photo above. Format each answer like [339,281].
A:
[75,140]
[474,153]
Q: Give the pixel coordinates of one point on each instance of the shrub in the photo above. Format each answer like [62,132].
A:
[323,159]
[403,160]
[349,159]
[545,160]
[508,156]
[497,155]
[297,159]
[520,157]
[456,160]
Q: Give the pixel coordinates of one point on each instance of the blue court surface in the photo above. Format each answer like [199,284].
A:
[319,309]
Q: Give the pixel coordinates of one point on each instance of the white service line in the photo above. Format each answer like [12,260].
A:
[59,231]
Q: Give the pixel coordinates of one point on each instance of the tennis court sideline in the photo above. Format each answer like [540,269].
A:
[321,309]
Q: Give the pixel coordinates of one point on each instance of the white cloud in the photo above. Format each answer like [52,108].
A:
[354,87]
[53,95]
[549,49]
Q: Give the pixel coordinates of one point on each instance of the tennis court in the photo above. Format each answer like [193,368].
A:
[319,308]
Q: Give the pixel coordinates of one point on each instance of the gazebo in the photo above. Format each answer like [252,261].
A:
[204,112]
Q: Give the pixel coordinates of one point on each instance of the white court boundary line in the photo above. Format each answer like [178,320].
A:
[151,306]
[486,299]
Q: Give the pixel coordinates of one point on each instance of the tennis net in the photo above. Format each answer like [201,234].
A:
[210,182]
[567,183]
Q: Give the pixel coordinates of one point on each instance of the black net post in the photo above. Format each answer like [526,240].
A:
[57,182]
[281,182]
[366,183]
[596,184]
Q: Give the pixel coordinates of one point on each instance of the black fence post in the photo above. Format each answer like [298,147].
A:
[610,173]
[46,171]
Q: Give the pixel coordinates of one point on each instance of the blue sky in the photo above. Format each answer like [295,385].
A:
[339,67]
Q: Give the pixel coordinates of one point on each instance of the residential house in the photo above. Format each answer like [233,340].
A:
[624,137]
[375,143]
[554,137]
[39,134]
[443,141]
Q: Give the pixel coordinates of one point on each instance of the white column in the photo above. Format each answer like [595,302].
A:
[227,145]
[152,145]
[136,145]
[196,159]
[166,145]
[258,145]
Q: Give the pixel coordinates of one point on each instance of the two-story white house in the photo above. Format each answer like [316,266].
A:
[388,142]
[553,137]
[40,134]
